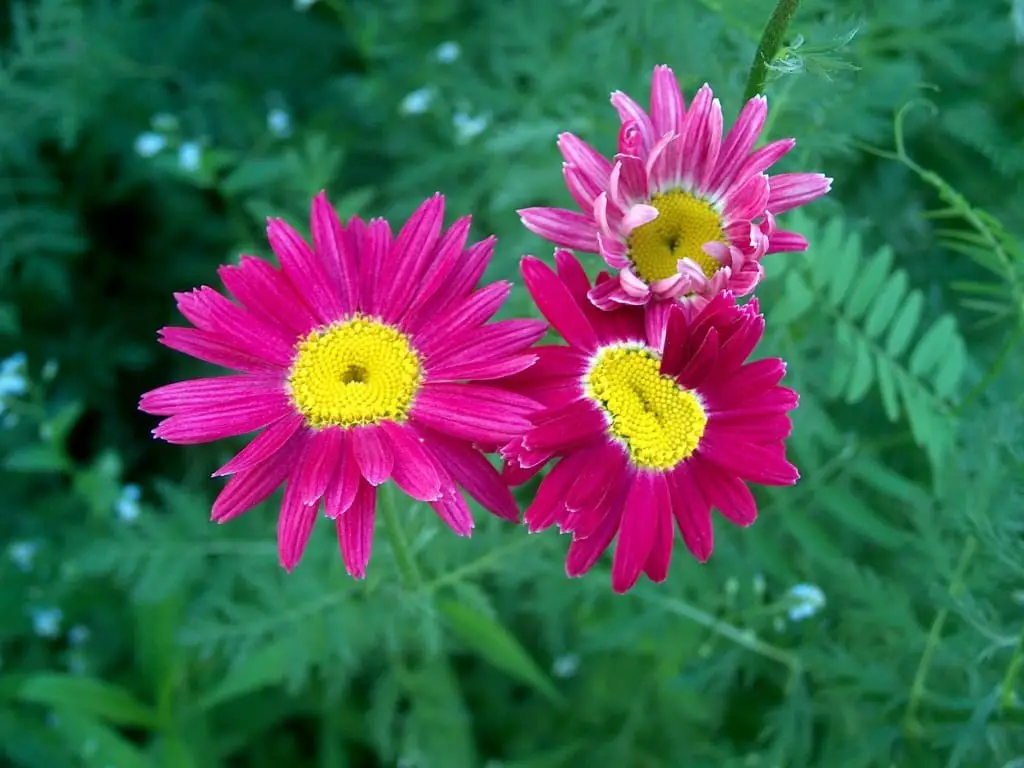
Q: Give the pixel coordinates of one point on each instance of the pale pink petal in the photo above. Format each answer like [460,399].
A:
[565,228]
[633,285]
[790,190]
[754,164]
[592,165]
[633,114]
[737,145]
[782,241]
[667,105]
[662,165]
[637,216]
[632,180]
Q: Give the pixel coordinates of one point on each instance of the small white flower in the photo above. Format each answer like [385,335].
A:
[566,665]
[279,123]
[303,5]
[759,584]
[46,621]
[127,504]
[805,601]
[190,156]
[149,144]
[164,122]
[50,368]
[416,102]
[468,127]
[448,52]
[1017,20]
[22,553]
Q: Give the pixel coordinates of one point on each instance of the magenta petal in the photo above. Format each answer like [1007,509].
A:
[701,362]
[556,303]
[583,553]
[726,493]
[494,341]
[228,420]
[474,412]
[323,452]
[573,424]
[215,349]
[637,531]
[755,463]
[294,525]
[200,394]
[471,470]
[333,247]
[344,485]
[786,242]
[410,256]
[375,243]
[601,475]
[252,486]
[267,294]
[692,513]
[486,370]
[305,271]
[446,330]
[355,531]
[450,252]
[674,351]
[264,446]
[457,287]
[548,505]
[415,471]
[658,561]
[454,511]
[373,452]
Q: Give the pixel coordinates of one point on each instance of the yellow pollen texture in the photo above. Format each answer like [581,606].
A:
[684,224]
[359,371]
[659,422]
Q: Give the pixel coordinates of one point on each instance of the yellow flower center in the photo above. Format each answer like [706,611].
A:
[684,224]
[659,422]
[359,371]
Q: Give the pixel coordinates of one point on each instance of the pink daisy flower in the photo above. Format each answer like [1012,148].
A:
[679,212]
[364,357]
[651,414]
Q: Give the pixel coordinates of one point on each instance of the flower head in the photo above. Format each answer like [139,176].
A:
[365,357]
[651,414]
[679,212]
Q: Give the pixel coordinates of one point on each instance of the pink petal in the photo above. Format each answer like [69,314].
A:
[789,190]
[632,179]
[415,471]
[252,486]
[355,531]
[373,453]
[215,349]
[738,143]
[591,164]
[316,470]
[583,553]
[581,187]
[637,532]
[305,271]
[754,463]
[450,251]
[692,513]
[410,256]
[631,112]
[294,526]
[264,446]
[474,412]
[229,419]
[667,106]
[556,303]
[637,216]
[345,482]
[203,394]
[565,228]
[755,164]
[658,560]
[333,247]
[694,139]
[454,511]
[784,242]
[473,472]
[267,294]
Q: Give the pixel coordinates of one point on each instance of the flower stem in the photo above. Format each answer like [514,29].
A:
[770,43]
[407,566]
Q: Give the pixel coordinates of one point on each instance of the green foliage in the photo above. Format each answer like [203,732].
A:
[142,144]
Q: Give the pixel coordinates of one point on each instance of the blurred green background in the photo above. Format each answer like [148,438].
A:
[872,617]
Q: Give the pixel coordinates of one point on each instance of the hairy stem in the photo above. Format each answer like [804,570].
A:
[771,41]
[407,567]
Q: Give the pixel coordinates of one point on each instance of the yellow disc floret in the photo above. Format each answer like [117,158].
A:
[684,224]
[659,422]
[359,371]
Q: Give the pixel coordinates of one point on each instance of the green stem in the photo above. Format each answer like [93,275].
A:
[407,567]
[770,43]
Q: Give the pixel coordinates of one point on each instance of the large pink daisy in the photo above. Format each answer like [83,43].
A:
[651,414]
[364,357]
[678,211]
